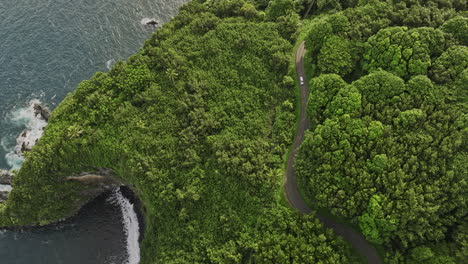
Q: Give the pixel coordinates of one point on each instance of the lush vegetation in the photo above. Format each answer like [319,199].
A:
[199,121]
[387,146]
[197,124]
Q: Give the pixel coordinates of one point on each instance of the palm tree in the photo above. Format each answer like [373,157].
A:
[172,74]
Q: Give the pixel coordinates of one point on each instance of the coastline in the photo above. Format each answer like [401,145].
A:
[53,92]
[94,234]
[84,211]
[80,212]
[138,207]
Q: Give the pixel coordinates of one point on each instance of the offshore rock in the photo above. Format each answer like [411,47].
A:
[149,22]
[152,22]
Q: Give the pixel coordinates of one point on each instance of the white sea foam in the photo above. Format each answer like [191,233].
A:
[146,20]
[4,143]
[131,225]
[5,188]
[110,63]
[14,160]
[33,124]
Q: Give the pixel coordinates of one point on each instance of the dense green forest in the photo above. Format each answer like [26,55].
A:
[386,150]
[197,124]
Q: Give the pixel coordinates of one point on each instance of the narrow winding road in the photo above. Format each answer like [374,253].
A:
[356,239]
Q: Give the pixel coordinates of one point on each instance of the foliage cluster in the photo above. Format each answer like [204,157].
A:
[197,125]
[387,148]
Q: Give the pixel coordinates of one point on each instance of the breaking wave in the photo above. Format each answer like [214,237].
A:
[5,188]
[33,119]
[110,63]
[131,225]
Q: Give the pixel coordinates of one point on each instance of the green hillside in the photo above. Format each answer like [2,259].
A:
[199,124]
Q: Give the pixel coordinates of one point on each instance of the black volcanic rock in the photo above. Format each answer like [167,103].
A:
[42,111]
[5,177]
[152,23]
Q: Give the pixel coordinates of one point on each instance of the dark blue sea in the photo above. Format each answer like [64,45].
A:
[46,48]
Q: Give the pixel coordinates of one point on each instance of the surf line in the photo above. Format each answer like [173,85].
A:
[131,225]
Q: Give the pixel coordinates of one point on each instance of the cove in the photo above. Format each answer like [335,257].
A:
[94,235]
[48,47]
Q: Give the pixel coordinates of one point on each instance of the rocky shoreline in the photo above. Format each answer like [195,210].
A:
[28,138]
[25,142]
[5,179]
[101,182]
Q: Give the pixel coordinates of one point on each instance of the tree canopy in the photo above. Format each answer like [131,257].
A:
[199,121]
[197,124]
[386,150]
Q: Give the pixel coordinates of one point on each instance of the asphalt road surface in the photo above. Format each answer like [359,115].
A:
[357,240]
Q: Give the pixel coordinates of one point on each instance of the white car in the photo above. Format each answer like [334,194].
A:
[301,79]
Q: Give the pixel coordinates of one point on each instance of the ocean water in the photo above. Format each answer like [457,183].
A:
[46,48]
[94,236]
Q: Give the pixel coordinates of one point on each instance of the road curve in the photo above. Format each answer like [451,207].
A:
[356,239]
